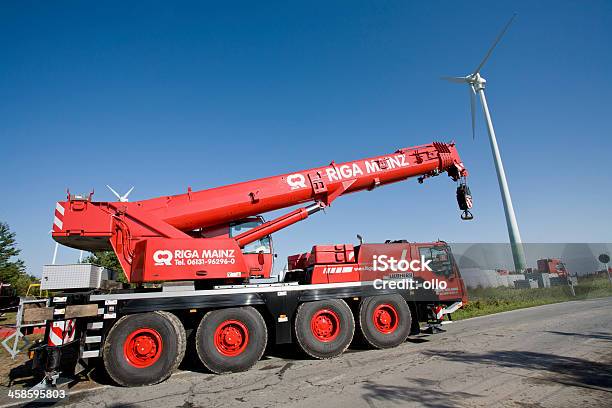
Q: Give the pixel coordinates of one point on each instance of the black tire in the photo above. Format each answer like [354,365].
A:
[231,340]
[181,337]
[121,359]
[384,320]
[332,335]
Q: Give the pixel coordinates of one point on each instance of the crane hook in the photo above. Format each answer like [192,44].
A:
[464,199]
[466,215]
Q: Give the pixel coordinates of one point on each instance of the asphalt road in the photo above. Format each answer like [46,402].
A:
[550,356]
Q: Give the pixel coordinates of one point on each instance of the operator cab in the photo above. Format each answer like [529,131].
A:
[257,254]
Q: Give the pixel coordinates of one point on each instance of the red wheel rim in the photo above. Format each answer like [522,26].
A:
[231,338]
[325,325]
[143,347]
[385,318]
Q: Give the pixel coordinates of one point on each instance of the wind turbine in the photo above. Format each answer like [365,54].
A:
[476,85]
[121,198]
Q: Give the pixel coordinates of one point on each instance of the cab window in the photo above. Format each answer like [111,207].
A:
[261,245]
[440,260]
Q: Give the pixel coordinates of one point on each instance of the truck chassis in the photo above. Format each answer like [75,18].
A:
[81,325]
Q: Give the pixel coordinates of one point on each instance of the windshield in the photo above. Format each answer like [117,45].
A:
[261,245]
[440,259]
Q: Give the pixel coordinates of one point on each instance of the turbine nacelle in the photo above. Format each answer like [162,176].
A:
[472,79]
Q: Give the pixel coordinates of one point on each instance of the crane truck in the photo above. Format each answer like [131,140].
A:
[213,252]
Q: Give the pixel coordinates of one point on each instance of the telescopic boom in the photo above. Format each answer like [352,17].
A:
[146,234]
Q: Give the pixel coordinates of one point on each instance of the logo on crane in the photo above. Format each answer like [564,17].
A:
[353,170]
[296,181]
[181,257]
[162,257]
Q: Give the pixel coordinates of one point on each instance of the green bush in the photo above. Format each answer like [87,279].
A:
[109,260]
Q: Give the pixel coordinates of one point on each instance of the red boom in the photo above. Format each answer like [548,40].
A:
[179,237]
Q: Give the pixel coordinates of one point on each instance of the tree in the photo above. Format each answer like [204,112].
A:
[12,270]
[109,260]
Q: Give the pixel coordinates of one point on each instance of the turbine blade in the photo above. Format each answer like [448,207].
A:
[457,80]
[125,196]
[473,110]
[114,192]
[497,40]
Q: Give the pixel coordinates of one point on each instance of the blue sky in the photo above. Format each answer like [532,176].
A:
[168,95]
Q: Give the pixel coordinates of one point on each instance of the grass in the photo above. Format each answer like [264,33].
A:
[8,318]
[484,301]
[7,364]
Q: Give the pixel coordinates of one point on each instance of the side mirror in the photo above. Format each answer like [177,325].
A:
[260,257]
[360,238]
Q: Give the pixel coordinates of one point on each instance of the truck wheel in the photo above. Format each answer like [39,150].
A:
[142,349]
[325,328]
[181,337]
[384,320]
[231,340]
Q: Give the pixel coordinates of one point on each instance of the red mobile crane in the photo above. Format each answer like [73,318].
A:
[214,245]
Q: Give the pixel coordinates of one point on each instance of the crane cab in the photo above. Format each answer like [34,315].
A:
[210,254]
[258,255]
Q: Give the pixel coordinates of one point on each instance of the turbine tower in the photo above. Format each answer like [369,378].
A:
[476,85]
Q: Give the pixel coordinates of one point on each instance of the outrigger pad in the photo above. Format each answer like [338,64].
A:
[433,329]
[51,382]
